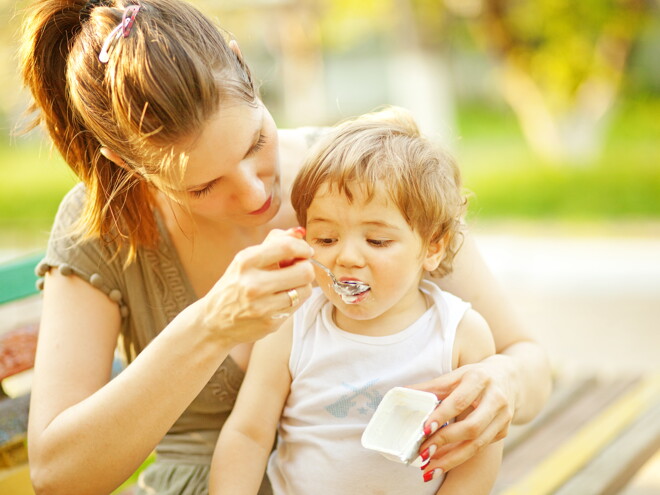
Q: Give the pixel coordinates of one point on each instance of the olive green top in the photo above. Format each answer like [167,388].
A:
[150,292]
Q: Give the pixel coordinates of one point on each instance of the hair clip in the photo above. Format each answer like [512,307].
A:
[123,29]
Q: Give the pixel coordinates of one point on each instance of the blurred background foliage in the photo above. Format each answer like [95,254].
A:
[551,106]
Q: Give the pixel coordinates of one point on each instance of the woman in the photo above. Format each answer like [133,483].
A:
[168,244]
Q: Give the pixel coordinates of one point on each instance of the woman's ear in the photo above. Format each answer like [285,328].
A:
[435,253]
[114,158]
[233,46]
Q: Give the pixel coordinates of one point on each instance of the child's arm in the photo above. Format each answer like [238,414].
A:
[477,475]
[246,441]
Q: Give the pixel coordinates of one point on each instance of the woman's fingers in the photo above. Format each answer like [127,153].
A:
[445,384]
[289,300]
[257,268]
[447,457]
[488,422]
[482,411]
[279,246]
[254,293]
[273,281]
[457,390]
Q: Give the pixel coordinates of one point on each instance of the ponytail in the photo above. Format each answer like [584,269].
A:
[116,198]
[139,114]
[47,36]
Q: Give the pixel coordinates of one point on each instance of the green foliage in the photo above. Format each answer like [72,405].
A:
[34,179]
[346,24]
[568,193]
[507,180]
[563,43]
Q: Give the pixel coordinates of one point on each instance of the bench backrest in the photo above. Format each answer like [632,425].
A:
[18,342]
[17,278]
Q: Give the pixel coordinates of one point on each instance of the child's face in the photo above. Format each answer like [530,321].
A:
[370,242]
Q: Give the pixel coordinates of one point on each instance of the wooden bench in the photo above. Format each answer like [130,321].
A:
[591,438]
[20,309]
[19,315]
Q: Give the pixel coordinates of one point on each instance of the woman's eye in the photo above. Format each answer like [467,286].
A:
[258,145]
[203,192]
[379,242]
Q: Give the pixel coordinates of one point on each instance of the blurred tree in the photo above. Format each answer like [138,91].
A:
[9,80]
[561,64]
[288,31]
[414,33]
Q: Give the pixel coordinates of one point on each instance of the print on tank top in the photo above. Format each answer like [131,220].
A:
[366,398]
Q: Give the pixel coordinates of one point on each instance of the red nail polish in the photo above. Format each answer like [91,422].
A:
[424,454]
[429,476]
[300,231]
[427,430]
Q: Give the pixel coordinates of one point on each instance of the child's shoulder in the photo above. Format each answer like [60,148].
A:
[446,301]
[474,340]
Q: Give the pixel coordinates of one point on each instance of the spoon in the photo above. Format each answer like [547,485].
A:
[349,288]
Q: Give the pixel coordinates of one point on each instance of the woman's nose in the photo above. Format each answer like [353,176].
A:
[250,190]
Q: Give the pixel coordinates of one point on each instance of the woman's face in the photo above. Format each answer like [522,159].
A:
[233,173]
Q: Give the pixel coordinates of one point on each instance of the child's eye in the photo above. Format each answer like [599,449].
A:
[203,192]
[379,242]
[323,241]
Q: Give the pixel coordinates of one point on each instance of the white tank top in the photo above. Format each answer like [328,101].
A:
[338,380]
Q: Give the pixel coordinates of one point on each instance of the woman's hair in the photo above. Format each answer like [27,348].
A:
[386,150]
[160,85]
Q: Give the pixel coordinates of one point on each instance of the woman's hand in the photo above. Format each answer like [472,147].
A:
[482,400]
[256,290]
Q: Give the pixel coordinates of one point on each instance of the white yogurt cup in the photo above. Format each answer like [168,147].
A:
[396,429]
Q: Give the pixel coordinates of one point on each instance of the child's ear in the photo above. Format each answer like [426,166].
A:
[233,45]
[435,253]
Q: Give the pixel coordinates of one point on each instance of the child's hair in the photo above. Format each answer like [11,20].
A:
[159,86]
[386,149]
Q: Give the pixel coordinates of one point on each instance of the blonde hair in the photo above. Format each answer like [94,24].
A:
[160,85]
[386,149]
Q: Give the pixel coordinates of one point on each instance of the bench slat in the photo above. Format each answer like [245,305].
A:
[574,454]
[615,466]
[16,480]
[565,393]
[547,437]
[17,350]
[18,278]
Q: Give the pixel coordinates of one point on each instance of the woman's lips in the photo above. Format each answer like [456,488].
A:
[264,207]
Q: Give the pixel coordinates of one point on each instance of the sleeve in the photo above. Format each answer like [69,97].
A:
[92,260]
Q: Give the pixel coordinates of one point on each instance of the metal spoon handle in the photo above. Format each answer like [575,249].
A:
[325,268]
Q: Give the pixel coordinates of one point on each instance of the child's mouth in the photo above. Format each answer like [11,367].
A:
[356,298]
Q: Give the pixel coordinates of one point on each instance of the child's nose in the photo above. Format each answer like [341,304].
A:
[350,255]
